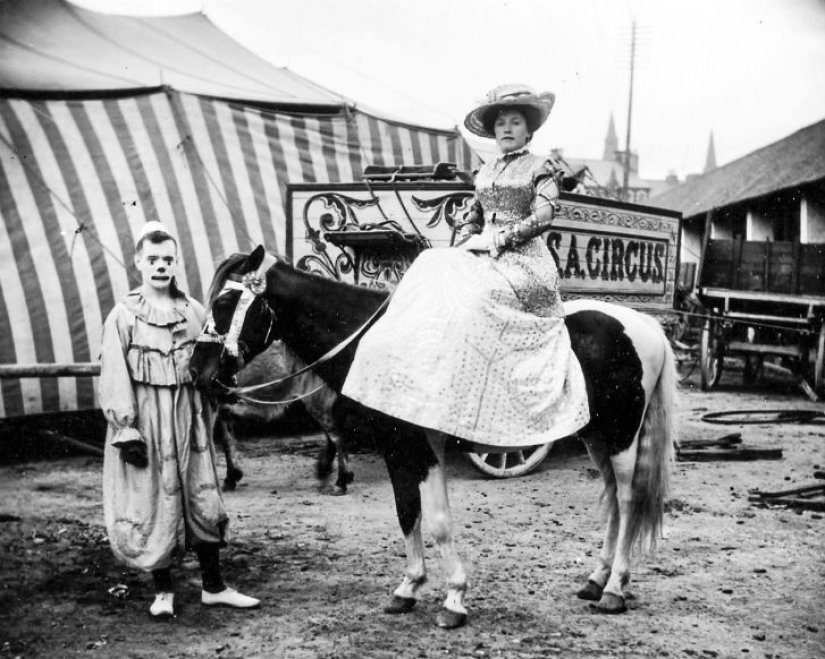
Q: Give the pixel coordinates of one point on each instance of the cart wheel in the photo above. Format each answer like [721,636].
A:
[711,354]
[512,464]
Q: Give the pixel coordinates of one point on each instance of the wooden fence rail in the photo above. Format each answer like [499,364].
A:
[49,370]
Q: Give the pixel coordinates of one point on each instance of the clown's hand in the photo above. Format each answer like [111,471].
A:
[134,453]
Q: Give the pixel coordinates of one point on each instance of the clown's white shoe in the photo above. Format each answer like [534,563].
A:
[229,597]
[163,606]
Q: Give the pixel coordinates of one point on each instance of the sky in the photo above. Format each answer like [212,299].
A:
[749,72]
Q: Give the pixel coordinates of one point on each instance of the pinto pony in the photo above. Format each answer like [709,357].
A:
[630,376]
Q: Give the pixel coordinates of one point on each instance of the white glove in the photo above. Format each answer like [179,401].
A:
[480,242]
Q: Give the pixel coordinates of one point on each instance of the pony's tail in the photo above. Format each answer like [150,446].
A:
[651,478]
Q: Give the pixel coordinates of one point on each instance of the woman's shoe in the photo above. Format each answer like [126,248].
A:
[163,606]
[229,597]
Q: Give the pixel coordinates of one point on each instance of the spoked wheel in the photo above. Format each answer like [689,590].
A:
[711,354]
[512,464]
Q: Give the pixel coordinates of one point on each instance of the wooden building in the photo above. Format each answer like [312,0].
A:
[774,194]
[753,252]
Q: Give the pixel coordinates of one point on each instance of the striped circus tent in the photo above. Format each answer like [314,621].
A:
[81,173]
[78,178]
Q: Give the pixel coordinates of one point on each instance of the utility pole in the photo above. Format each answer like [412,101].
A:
[626,182]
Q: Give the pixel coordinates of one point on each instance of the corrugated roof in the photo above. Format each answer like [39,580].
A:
[791,162]
[55,46]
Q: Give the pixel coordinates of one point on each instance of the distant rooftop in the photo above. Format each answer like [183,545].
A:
[791,162]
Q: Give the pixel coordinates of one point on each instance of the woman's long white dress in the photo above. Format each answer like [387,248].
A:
[475,345]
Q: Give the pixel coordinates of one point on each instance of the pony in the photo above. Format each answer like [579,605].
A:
[306,389]
[627,363]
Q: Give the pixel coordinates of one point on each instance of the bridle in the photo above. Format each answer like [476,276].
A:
[231,339]
[252,286]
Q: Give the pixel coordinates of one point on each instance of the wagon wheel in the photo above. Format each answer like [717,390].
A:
[512,464]
[711,354]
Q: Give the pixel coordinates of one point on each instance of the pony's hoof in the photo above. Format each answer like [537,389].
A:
[592,591]
[610,603]
[400,605]
[230,483]
[447,619]
[337,491]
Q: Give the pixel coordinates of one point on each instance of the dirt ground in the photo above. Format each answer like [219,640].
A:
[730,579]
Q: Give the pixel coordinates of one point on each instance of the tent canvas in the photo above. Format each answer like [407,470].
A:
[80,172]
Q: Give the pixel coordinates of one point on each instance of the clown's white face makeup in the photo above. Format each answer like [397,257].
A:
[511,131]
[157,263]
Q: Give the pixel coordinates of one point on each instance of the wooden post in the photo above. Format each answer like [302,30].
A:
[705,242]
[795,249]
[735,263]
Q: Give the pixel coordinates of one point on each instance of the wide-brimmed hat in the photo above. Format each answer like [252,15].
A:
[535,108]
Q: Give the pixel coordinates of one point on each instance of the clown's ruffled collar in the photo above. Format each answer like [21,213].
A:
[140,306]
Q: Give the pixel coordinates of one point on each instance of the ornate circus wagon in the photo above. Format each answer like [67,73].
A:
[368,233]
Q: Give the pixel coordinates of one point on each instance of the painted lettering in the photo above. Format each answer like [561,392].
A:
[631,254]
[617,271]
[644,261]
[658,255]
[574,268]
[606,261]
[594,264]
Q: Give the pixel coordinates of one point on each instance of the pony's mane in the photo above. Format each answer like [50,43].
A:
[221,274]
[229,264]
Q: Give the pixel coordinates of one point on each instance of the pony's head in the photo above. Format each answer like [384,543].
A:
[239,323]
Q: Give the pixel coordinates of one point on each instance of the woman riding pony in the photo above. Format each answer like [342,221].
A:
[474,344]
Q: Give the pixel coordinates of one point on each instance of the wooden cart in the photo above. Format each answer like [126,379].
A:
[765,302]
[368,232]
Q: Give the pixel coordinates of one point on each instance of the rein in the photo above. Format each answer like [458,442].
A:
[253,285]
[323,359]
[258,401]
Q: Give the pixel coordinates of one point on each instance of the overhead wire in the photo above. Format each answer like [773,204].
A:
[81,225]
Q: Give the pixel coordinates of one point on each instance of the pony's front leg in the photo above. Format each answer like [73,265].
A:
[224,434]
[405,479]
[437,513]
[406,595]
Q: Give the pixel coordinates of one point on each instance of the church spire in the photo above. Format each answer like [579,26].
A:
[710,162]
[611,142]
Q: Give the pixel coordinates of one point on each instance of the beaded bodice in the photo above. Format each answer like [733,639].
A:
[506,186]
